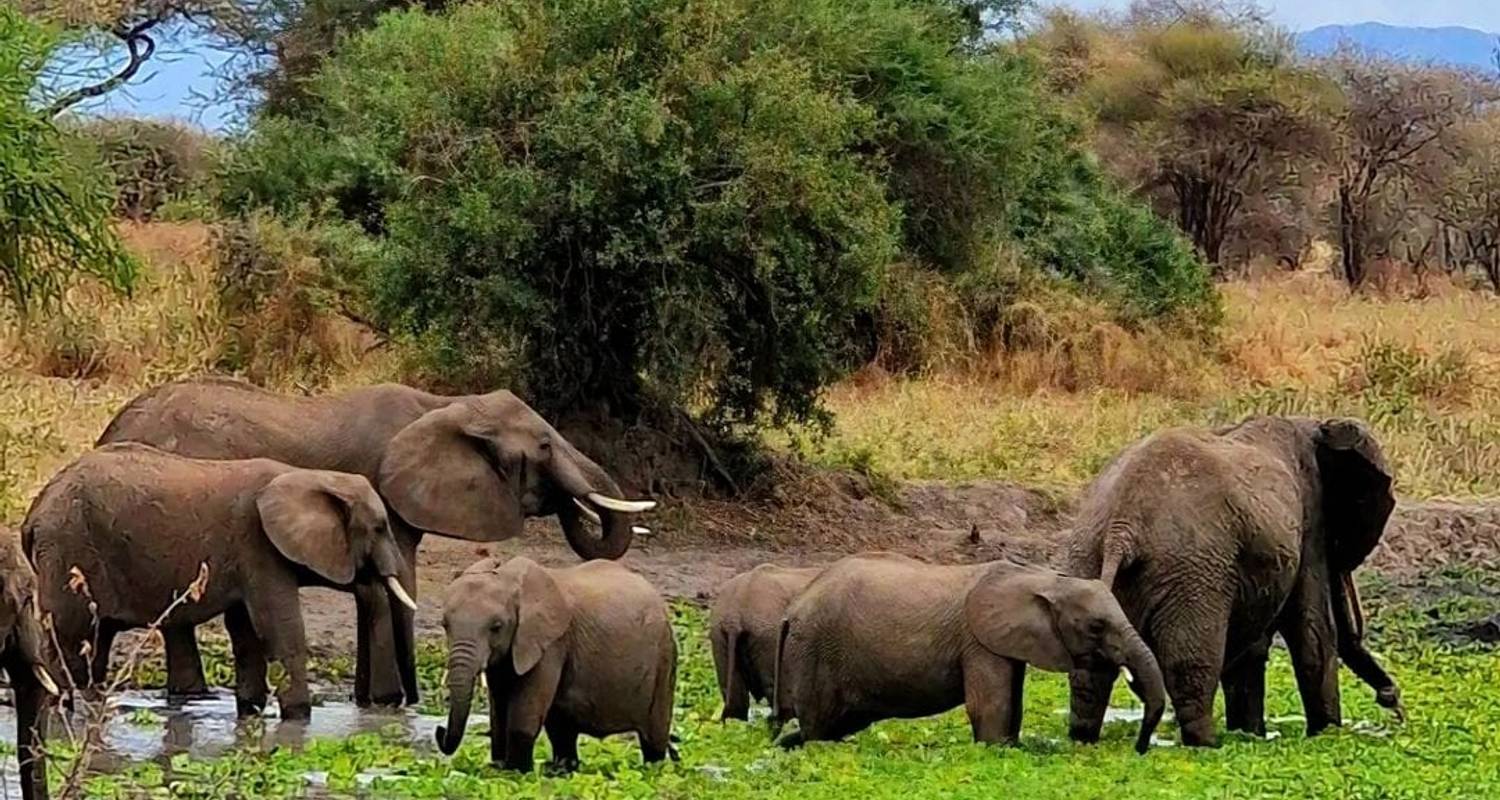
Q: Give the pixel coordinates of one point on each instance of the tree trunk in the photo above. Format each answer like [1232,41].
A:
[1351,237]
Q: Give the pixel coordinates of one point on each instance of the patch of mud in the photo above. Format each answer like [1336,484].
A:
[1427,536]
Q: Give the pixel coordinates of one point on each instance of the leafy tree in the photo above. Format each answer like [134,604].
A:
[637,201]
[54,202]
[1216,114]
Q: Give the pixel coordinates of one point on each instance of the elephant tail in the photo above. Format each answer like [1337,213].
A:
[779,710]
[1118,551]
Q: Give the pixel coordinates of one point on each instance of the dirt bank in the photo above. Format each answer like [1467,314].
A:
[820,517]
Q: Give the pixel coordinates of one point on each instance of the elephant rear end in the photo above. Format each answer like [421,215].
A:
[744,631]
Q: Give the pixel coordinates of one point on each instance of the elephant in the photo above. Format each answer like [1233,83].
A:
[743,627]
[24,654]
[1214,539]
[471,467]
[583,650]
[138,524]
[883,635]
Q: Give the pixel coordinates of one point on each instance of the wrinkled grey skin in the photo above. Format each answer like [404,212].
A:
[137,523]
[882,635]
[471,467]
[581,650]
[1214,539]
[744,625]
[24,651]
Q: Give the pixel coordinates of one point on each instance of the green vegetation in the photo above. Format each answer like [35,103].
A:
[1448,743]
[54,204]
[651,201]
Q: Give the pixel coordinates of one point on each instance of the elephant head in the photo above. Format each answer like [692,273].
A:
[476,468]
[334,524]
[1064,624]
[1356,501]
[25,658]
[502,615]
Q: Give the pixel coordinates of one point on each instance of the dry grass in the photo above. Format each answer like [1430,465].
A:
[1046,408]
[1423,366]
[62,380]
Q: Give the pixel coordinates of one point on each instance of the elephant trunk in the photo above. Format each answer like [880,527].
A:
[34,649]
[1147,683]
[579,477]
[465,659]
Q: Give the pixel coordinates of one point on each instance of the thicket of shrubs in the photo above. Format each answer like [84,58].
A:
[704,205]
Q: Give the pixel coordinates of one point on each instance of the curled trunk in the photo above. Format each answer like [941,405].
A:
[464,662]
[578,476]
[1148,685]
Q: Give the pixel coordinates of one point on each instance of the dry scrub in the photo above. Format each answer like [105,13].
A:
[1422,365]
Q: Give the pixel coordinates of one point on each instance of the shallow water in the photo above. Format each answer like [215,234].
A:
[146,727]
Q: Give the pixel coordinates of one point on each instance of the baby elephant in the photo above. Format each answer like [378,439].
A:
[743,627]
[138,522]
[586,649]
[882,635]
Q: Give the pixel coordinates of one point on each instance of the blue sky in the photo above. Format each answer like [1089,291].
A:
[1481,14]
[181,70]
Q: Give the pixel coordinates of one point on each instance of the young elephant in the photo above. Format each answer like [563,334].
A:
[743,628]
[23,654]
[587,649]
[138,522]
[882,635]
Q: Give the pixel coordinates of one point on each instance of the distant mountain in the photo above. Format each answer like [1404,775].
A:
[1460,47]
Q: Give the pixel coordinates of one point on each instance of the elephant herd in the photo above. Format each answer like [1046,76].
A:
[1189,552]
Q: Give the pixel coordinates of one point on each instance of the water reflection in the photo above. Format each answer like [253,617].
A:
[146,727]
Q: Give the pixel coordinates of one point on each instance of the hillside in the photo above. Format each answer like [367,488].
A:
[1454,46]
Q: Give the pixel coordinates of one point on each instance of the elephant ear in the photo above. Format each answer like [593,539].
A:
[443,474]
[305,515]
[542,615]
[1357,496]
[1013,617]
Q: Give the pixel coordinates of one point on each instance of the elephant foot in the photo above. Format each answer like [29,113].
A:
[792,741]
[296,711]
[1198,733]
[395,700]
[1084,734]
[1390,697]
[248,707]
[192,692]
[560,767]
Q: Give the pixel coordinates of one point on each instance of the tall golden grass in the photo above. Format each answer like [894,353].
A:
[1046,405]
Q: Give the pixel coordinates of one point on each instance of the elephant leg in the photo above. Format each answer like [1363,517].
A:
[1244,685]
[563,735]
[276,615]
[498,696]
[184,664]
[376,647]
[104,642]
[1306,626]
[31,720]
[992,689]
[732,685]
[1191,655]
[1089,692]
[405,630]
[526,711]
[250,662]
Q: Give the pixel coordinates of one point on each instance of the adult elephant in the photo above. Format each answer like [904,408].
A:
[472,467]
[1213,540]
[24,655]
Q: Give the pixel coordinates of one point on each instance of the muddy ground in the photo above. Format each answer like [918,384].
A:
[816,518]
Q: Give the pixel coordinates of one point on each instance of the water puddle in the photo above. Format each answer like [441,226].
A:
[146,727]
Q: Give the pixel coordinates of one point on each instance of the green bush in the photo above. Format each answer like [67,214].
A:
[54,205]
[698,203]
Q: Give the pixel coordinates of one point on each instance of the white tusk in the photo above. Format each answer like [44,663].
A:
[400,593]
[640,530]
[589,512]
[623,506]
[45,679]
[1128,677]
[484,683]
